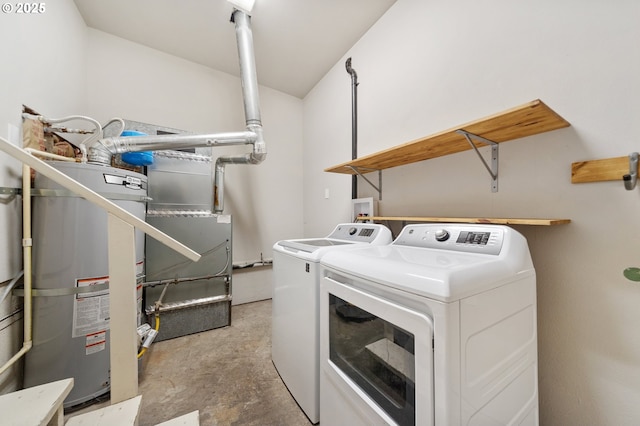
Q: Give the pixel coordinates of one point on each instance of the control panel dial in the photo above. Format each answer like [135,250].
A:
[442,235]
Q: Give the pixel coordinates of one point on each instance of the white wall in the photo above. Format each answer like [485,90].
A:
[429,66]
[42,67]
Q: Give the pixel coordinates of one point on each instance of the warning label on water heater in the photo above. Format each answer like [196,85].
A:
[96,342]
[91,309]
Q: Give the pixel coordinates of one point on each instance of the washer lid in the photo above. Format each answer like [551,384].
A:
[310,246]
[345,235]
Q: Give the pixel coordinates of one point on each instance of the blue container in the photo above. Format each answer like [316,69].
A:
[142,158]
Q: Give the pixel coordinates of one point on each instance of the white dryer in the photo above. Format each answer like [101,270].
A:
[437,328]
[295,327]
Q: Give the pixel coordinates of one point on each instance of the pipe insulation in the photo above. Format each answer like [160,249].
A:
[104,149]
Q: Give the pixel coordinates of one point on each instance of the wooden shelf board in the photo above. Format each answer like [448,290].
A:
[599,170]
[481,220]
[525,120]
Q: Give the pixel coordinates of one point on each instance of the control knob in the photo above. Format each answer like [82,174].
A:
[353,230]
[442,235]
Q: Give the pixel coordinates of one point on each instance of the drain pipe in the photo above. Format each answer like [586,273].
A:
[354,124]
[103,150]
[26,253]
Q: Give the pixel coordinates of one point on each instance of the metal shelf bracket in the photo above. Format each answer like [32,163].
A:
[378,188]
[493,169]
[10,191]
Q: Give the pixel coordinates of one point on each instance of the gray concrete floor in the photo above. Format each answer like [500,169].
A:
[225,373]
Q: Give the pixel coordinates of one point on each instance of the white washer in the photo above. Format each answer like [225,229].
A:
[437,328]
[295,328]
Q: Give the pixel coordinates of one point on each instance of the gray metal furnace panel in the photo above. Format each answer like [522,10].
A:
[208,235]
[180,181]
[188,317]
[198,294]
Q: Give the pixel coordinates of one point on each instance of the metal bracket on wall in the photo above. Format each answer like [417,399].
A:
[493,169]
[378,188]
[10,191]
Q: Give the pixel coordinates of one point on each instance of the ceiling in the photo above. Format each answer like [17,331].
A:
[296,42]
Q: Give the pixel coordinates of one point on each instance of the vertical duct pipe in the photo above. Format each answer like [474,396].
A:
[354,124]
[244,37]
[248,77]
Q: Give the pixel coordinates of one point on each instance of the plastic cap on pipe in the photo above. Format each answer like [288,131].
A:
[143,158]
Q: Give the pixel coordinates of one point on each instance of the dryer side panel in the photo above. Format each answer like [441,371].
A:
[294,341]
[499,360]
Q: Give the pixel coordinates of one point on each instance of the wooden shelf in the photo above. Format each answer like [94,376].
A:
[481,220]
[599,170]
[526,120]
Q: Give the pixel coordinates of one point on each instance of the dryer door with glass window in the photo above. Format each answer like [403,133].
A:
[380,353]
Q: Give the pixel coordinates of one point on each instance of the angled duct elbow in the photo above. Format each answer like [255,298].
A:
[256,156]
[101,152]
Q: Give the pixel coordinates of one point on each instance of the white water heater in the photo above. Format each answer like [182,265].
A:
[70,277]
